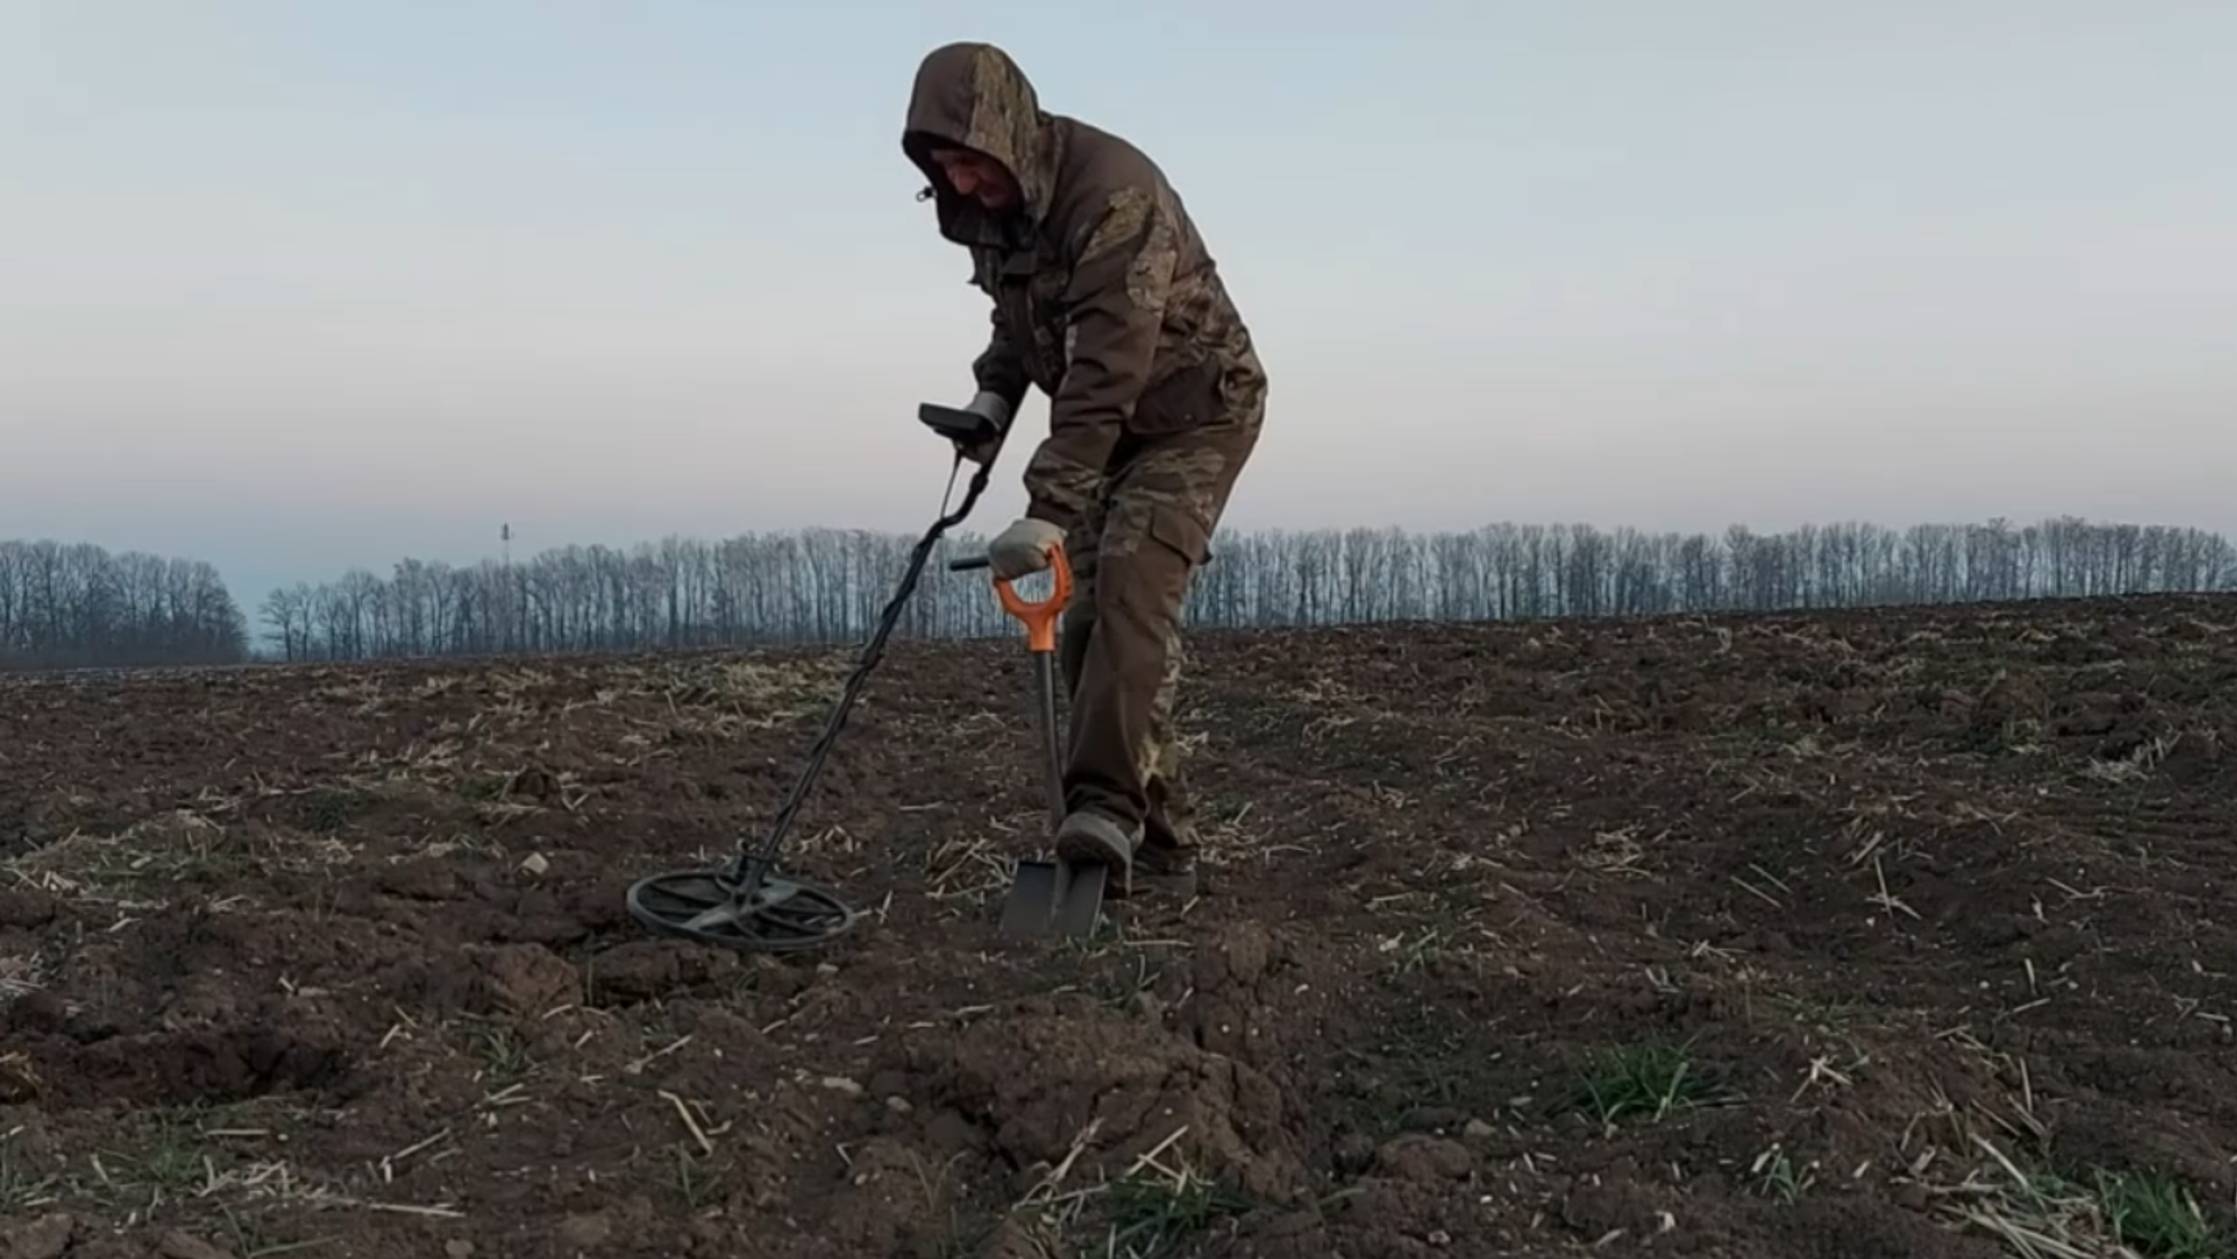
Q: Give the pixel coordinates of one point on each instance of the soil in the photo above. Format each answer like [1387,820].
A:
[335,961]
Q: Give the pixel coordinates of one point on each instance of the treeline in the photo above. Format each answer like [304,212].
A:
[68,606]
[823,585]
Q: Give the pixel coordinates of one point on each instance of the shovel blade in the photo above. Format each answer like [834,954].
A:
[1059,897]
[1028,909]
[1079,897]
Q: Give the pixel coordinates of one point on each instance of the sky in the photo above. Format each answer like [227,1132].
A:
[296,287]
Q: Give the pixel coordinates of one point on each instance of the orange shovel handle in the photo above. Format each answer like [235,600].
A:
[1040,618]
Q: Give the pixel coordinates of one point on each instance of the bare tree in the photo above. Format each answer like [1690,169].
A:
[829,585]
[65,606]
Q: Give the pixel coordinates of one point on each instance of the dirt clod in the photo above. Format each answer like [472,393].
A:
[647,970]
[35,1011]
[178,1244]
[46,1237]
[25,908]
[527,979]
[584,1232]
[1424,1158]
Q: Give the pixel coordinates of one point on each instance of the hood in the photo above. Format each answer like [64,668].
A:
[974,96]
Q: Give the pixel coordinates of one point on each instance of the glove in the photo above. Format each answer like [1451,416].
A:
[1023,548]
[993,407]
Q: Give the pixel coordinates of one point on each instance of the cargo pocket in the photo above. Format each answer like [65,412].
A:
[1178,528]
[1152,582]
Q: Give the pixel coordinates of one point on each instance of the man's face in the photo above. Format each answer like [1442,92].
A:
[977,176]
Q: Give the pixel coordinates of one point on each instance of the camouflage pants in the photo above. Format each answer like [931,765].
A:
[1132,556]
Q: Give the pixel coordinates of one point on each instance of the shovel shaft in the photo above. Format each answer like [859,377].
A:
[1061,896]
[1044,669]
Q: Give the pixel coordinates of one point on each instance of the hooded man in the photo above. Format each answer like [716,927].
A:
[1106,299]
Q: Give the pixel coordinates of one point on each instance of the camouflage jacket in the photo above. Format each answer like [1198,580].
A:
[1104,296]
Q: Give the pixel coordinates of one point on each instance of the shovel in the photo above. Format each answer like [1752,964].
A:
[1058,896]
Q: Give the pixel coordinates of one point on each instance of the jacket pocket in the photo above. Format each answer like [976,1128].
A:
[1188,398]
[1027,292]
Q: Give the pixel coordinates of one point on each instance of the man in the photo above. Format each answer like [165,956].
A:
[1106,299]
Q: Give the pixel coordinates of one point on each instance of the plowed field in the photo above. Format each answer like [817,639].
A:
[1902,934]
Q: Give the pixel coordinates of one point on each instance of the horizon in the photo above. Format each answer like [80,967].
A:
[1899,534]
[830,585]
[302,291]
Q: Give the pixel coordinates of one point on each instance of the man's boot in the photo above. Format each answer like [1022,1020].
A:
[1167,873]
[1165,860]
[1090,836]
[1163,870]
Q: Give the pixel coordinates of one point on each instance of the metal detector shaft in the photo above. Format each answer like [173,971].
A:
[743,905]
[971,563]
[751,863]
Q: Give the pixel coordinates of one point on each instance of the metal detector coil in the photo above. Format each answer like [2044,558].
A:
[759,915]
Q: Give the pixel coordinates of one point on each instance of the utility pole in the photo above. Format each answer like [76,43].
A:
[511,635]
